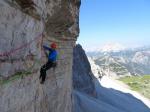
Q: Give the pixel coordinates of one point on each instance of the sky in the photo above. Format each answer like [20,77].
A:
[126,22]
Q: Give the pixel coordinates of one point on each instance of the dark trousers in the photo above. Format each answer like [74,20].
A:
[43,70]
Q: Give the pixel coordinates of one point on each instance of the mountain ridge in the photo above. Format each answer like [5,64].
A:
[130,62]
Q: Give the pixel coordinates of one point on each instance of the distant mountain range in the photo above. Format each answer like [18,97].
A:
[123,62]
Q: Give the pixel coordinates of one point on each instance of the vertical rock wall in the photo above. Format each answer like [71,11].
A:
[83,79]
[82,74]
[25,25]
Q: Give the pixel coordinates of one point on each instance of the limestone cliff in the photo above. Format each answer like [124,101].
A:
[82,74]
[25,25]
[83,78]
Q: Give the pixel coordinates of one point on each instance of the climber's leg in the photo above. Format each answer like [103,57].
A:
[42,74]
[43,70]
[43,77]
[49,64]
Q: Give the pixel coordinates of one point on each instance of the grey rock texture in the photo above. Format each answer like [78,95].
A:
[25,25]
[82,74]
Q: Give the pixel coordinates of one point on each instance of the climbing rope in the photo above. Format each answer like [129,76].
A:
[7,53]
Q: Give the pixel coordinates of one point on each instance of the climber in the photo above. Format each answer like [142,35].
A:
[50,63]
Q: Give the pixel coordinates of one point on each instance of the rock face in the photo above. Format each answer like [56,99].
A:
[25,25]
[83,79]
[96,70]
[82,74]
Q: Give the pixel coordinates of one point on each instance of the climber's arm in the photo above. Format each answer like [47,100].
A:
[47,48]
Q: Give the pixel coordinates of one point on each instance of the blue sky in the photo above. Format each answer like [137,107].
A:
[122,21]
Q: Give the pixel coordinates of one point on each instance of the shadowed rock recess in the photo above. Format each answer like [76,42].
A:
[82,74]
[25,25]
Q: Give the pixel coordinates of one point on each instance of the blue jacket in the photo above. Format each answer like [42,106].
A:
[52,54]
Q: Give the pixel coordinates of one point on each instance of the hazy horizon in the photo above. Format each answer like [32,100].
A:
[126,22]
